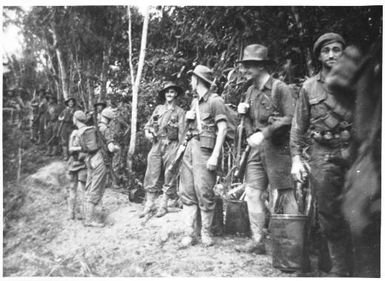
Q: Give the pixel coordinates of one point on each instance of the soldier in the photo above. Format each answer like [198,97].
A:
[119,128]
[164,130]
[268,111]
[77,171]
[52,115]
[328,122]
[35,120]
[97,161]
[67,126]
[200,160]
[123,115]
[98,107]
[42,118]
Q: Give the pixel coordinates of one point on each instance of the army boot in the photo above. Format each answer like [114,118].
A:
[89,220]
[162,210]
[338,256]
[207,220]
[149,206]
[255,245]
[190,216]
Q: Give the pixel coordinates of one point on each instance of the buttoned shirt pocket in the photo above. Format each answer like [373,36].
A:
[207,136]
[265,108]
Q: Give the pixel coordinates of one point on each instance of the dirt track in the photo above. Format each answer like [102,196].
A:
[42,242]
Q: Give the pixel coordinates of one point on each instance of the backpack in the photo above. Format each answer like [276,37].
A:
[88,139]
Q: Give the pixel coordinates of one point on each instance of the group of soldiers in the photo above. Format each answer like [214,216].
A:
[291,139]
[277,125]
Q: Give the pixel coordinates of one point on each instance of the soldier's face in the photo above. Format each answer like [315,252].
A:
[330,53]
[194,82]
[71,103]
[170,94]
[251,70]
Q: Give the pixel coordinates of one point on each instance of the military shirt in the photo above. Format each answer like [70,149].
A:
[106,132]
[265,104]
[165,115]
[53,112]
[311,108]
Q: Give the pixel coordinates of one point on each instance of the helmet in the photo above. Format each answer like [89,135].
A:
[108,113]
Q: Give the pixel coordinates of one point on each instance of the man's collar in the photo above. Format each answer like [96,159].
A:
[320,77]
[206,96]
[268,84]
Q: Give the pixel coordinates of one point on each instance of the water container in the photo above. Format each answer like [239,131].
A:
[290,242]
[237,218]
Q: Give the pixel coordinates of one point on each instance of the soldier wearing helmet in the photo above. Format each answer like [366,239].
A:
[328,121]
[66,127]
[164,130]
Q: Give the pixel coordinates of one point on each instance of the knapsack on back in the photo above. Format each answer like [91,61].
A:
[88,139]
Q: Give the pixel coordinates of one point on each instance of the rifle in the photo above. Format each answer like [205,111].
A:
[107,156]
[303,197]
[154,128]
[241,165]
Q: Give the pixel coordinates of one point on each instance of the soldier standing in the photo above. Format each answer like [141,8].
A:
[42,119]
[328,121]
[200,160]
[35,121]
[77,171]
[67,126]
[268,111]
[53,112]
[164,130]
[97,169]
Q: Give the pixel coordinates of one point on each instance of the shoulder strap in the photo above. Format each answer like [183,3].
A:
[274,93]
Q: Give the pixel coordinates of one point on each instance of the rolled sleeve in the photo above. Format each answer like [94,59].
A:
[219,110]
[300,124]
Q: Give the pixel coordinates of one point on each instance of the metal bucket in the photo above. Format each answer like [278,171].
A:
[290,243]
[237,218]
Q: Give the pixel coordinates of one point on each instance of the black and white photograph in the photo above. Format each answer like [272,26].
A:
[154,140]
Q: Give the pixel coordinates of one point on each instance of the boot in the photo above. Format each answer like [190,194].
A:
[338,256]
[190,216]
[150,204]
[65,152]
[207,220]
[89,209]
[162,210]
[255,245]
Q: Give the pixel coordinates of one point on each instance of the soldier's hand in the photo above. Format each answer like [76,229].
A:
[148,135]
[212,163]
[190,115]
[255,139]
[243,108]
[299,170]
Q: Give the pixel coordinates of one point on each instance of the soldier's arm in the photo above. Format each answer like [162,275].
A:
[181,124]
[287,105]
[300,124]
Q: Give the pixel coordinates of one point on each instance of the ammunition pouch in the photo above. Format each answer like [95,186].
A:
[207,137]
[172,132]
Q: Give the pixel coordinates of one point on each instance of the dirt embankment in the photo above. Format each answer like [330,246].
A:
[42,242]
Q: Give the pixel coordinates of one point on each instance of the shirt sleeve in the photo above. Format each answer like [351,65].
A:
[286,103]
[300,124]
[218,108]
[149,122]
[108,135]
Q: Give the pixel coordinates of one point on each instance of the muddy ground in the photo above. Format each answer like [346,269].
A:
[40,241]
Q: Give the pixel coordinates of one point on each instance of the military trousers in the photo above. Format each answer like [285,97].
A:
[96,178]
[197,182]
[52,127]
[327,180]
[159,158]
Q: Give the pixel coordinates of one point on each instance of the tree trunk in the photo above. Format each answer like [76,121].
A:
[90,88]
[61,63]
[135,90]
[104,74]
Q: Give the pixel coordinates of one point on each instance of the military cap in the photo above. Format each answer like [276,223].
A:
[108,113]
[100,102]
[204,73]
[70,98]
[255,52]
[80,116]
[169,85]
[324,39]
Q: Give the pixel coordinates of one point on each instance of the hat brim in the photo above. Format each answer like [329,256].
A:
[100,103]
[269,61]
[67,101]
[178,89]
[200,76]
